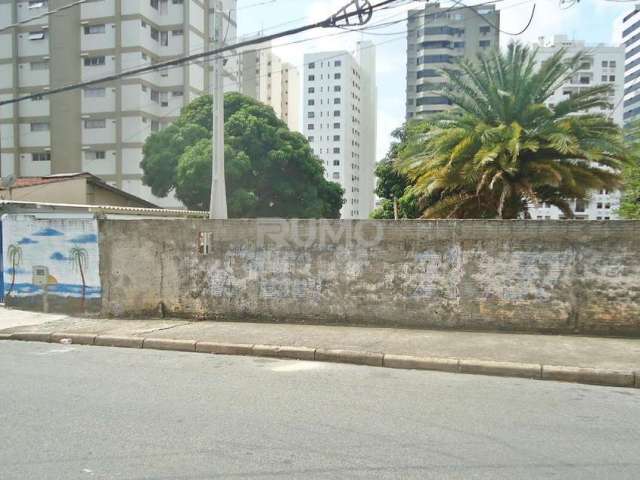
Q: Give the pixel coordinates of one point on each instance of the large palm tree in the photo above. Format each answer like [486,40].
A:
[79,257]
[502,148]
[14,252]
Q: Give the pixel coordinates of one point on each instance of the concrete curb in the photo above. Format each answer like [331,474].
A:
[593,376]
[349,356]
[169,344]
[224,348]
[76,338]
[120,342]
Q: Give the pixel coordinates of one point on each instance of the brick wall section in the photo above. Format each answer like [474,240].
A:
[564,276]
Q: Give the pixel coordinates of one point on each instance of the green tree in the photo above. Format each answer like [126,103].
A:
[630,202]
[14,252]
[392,183]
[269,170]
[79,257]
[502,148]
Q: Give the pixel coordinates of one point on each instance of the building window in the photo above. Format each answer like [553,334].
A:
[311,102]
[37,35]
[336,138]
[484,30]
[612,64]
[336,163]
[95,92]
[312,65]
[311,138]
[336,113]
[310,126]
[95,155]
[311,114]
[177,93]
[336,175]
[605,64]
[95,123]
[485,43]
[337,88]
[312,78]
[336,150]
[41,157]
[604,78]
[580,206]
[337,76]
[94,29]
[337,63]
[178,32]
[154,4]
[337,101]
[612,78]
[94,61]
[312,90]
[39,127]
[37,3]
[39,65]
[336,125]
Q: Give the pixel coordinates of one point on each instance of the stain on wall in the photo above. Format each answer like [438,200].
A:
[556,277]
[51,264]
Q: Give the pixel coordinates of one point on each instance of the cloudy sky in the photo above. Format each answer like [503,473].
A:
[594,21]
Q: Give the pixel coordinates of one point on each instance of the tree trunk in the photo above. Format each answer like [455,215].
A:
[13,278]
[83,285]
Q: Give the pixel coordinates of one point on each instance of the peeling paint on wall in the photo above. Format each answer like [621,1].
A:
[507,275]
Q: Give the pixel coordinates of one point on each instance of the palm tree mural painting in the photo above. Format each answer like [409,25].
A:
[79,257]
[14,252]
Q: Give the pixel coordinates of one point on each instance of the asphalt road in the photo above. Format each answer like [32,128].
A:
[72,412]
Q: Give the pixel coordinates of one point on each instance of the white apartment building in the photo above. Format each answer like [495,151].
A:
[340,121]
[631,38]
[436,38]
[604,64]
[100,129]
[264,76]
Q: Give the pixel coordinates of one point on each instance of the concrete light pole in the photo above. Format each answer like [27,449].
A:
[218,205]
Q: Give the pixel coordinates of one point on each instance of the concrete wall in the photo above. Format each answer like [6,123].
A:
[563,276]
[45,260]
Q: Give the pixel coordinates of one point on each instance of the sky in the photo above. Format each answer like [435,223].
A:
[594,21]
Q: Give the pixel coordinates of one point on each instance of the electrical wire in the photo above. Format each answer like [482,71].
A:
[329,22]
[46,14]
[526,27]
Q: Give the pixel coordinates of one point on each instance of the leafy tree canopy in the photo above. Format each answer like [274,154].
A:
[630,203]
[501,148]
[269,170]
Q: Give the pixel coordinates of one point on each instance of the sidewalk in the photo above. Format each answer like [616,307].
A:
[534,356]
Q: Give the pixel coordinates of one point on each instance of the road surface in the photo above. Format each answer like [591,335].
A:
[73,412]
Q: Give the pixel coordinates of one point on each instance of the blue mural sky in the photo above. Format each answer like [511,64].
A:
[48,244]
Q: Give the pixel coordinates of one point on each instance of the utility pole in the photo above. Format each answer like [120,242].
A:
[218,205]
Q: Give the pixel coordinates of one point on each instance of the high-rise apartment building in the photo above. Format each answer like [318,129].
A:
[631,39]
[436,37]
[340,121]
[602,65]
[100,129]
[262,75]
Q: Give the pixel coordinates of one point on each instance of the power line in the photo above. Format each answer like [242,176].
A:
[43,15]
[363,14]
[483,17]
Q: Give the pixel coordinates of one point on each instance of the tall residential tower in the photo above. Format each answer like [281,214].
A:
[436,37]
[262,75]
[100,129]
[339,119]
[631,38]
[603,65]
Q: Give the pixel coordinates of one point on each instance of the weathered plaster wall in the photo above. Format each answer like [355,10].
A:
[51,264]
[565,276]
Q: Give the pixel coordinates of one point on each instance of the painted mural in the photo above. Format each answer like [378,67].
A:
[51,264]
